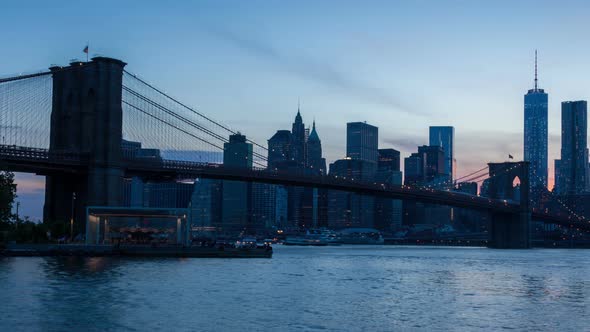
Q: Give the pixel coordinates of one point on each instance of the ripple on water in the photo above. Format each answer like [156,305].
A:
[303,289]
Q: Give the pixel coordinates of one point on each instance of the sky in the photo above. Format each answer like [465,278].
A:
[400,65]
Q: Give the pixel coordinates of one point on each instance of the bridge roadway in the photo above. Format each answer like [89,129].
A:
[44,162]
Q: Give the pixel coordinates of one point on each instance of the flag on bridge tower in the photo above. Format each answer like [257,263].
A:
[86,51]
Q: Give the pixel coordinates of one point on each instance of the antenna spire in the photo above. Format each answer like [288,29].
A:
[536,71]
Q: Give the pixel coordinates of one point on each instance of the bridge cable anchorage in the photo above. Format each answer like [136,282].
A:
[191,109]
[184,119]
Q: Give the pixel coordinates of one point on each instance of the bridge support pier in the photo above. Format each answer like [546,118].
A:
[60,202]
[86,120]
[510,231]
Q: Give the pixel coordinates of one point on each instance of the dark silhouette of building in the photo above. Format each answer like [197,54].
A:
[349,209]
[236,202]
[315,162]
[389,160]
[299,152]
[388,212]
[468,188]
[427,167]
[536,133]
[444,136]
[415,169]
[435,172]
[279,150]
[362,141]
[573,166]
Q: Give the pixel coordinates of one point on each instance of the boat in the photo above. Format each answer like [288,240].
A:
[313,237]
[304,241]
[361,236]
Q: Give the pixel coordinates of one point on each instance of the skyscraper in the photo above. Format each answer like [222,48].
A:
[388,212]
[236,195]
[535,133]
[444,136]
[573,166]
[315,162]
[362,141]
[388,160]
[414,169]
[298,152]
[347,209]
[279,150]
[435,164]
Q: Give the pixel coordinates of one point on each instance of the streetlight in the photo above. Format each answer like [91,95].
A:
[72,217]
[17,206]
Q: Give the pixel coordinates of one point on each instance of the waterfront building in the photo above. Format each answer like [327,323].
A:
[444,136]
[236,195]
[573,166]
[536,133]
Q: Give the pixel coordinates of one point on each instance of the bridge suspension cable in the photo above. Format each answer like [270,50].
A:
[184,120]
[224,127]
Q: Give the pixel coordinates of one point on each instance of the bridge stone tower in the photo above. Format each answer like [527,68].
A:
[510,230]
[86,119]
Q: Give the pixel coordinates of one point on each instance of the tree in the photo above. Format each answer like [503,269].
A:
[7,195]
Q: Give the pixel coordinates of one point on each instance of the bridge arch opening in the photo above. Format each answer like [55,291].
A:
[516,182]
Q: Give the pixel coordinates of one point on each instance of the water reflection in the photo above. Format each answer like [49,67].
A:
[80,291]
[333,289]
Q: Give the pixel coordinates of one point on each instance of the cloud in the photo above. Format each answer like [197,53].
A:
[407,144]
[311,69]
[29,184]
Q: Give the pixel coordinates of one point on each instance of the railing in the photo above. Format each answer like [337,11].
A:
[14,152]
[196,169]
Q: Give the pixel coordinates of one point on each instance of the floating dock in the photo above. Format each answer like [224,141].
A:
[81,250]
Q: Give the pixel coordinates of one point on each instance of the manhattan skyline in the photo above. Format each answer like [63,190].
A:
[247,64]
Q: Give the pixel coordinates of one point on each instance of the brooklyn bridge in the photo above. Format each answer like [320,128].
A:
[70,124]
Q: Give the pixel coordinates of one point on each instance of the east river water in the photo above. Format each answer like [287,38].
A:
[345,288]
